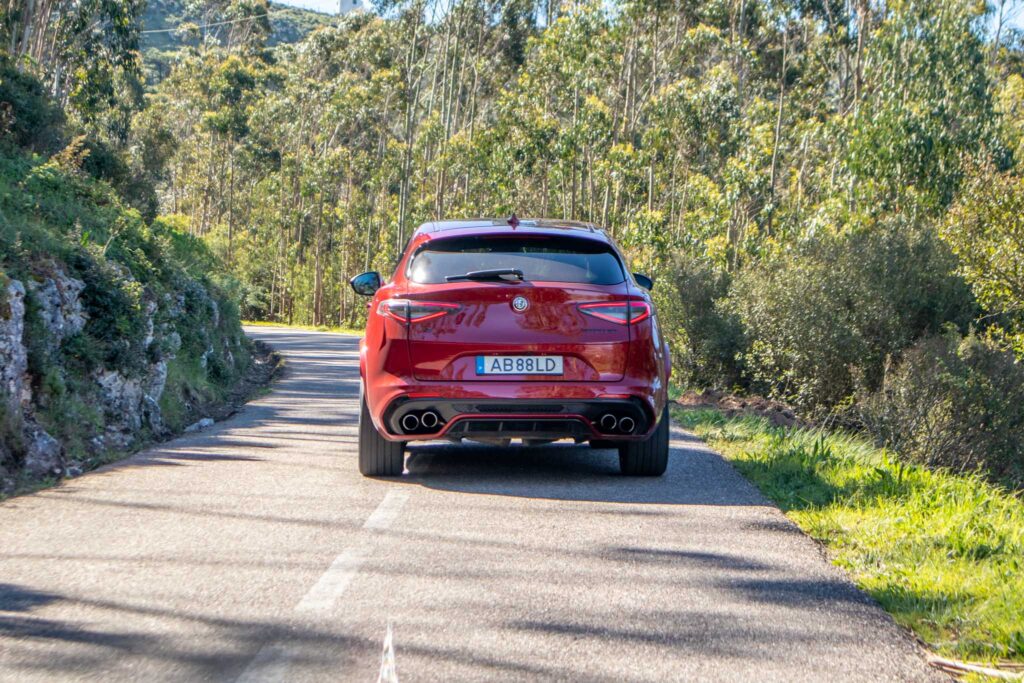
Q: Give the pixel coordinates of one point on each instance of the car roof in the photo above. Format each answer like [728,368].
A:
[502,225]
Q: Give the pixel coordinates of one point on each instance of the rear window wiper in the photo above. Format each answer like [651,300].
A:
[493,274]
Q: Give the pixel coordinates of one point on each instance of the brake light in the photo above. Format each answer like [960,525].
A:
[621,312]
[408,311]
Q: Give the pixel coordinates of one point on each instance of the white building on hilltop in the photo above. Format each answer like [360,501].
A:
[350,6]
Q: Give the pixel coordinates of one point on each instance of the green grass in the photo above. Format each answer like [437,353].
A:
[942,552]
[310,328]
[186,383]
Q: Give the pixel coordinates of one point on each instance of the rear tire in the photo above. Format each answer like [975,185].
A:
[378,457]
[647,458]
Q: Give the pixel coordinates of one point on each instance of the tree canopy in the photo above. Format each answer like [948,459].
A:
[746,147]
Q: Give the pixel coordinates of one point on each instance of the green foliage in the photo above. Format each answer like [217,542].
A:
[68,410]
[705,337]
[927,100]
[10,436]
[954,402]
[941,552]
[188,386]
[151,294]
[824,319]
[28,117]
[693,134]
[985,228]
[1009,103]
[86,51]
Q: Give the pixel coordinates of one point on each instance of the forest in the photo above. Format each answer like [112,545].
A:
[827,193]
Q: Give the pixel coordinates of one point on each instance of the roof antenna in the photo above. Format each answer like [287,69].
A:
[513,221]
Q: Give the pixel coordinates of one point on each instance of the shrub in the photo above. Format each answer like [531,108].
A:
[704,337]
[985,228]
[28,117]
[822,320]
[955,402]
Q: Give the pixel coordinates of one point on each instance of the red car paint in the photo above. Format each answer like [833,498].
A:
[422,340]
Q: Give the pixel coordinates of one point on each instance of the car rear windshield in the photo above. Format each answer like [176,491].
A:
[546,259]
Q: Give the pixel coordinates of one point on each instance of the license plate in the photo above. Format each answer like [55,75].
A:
[519,365]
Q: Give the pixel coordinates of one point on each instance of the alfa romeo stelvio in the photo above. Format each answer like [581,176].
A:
[499,329]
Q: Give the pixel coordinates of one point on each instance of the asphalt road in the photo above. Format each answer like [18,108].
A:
[254,551]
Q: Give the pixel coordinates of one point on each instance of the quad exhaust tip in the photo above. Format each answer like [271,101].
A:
[609,423]
[427,420]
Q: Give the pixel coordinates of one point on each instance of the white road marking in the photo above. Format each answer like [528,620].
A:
[325,592]
[272,662]
[388,672]
[387,511]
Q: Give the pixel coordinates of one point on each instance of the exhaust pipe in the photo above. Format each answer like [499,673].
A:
[608,422]
[410,422]
[429,419]
[627,425]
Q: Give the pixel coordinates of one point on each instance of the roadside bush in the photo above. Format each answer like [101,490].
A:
[821,321]
[955,402]
[28,117]
[704,337]
[985,228]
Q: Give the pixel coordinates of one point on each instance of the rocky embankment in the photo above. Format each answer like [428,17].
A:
[117,325]
[123,406]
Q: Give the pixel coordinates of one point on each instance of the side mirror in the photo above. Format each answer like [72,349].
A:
[366,284]
[644,281]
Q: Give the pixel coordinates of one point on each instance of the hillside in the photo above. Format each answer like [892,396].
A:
[288,25]
[113,329]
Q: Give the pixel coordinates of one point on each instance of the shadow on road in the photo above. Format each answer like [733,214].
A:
[696,476]
[86,647]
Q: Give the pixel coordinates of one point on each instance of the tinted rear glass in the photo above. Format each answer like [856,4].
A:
[555,259]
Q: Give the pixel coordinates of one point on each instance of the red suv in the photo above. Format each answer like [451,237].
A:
[492,330]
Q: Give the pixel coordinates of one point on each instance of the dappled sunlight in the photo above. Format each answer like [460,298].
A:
[940,551]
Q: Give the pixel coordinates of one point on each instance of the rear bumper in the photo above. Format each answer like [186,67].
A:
[581,419]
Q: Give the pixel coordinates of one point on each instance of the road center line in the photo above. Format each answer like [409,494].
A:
[326,592]
[388,673]
[387,511]
[273,662]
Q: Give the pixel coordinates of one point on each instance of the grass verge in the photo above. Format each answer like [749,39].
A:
[943,553]
[309,328]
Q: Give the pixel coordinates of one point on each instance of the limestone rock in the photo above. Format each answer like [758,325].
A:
[202,424]
[130,403]
[122,400]
[43,455]
[60,306]
[13,355]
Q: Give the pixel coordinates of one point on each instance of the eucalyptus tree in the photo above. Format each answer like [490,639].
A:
[86,51]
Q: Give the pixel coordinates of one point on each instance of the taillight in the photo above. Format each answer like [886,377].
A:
[408,311]
[621,312]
